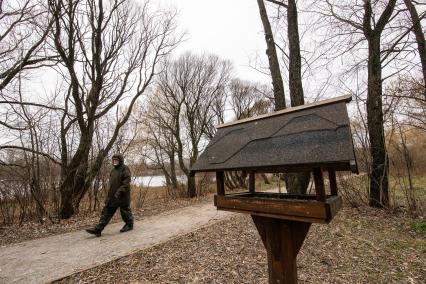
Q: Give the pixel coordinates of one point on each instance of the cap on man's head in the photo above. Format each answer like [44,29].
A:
[118,157]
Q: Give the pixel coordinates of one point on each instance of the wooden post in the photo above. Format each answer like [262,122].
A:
[319,184]
[333,182]
[252,181]
[282,240]
[220,182]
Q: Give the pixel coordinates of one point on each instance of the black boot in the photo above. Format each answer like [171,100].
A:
[126,228]
[94,231]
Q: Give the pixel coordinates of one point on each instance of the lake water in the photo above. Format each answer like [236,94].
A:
[152,181]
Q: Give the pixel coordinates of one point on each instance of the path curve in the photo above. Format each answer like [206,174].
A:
[47,259]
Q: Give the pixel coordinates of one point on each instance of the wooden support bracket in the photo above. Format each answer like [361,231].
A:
[220,182]
[282,240]
[252,181]
[333,182]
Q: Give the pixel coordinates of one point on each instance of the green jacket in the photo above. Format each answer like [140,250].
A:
[119,186]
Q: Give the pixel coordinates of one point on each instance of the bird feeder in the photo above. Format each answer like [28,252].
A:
[313,138]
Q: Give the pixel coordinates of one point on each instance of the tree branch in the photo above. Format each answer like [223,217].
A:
[6,147]
[282,4]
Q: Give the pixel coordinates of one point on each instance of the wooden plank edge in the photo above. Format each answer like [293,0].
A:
[320,212]
[345,98]
[282,217]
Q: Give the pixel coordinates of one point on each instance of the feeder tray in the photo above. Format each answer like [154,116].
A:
[303,208]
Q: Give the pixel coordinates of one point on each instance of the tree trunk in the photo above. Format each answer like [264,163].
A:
[66,209]
[271,52]
[265,178]
[191,186]
[71,191]
[167,177]
[95,194]
[73,178]
[173,177]
[90,199]
[235,179]
[295,61]
[420,38]
[379,192]
[229,181]
[191,191]
[242,176]
[296,183]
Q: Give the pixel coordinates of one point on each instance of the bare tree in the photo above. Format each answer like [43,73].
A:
[189,88]
[160,143]
[298,182]
[109,52]
[24,26]
[369,20]
[294,57]
[271,52]
[411,104]
[420,36]
[23,31]
[246,100]
[37,165]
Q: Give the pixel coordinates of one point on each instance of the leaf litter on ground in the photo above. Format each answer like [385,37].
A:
[361,245]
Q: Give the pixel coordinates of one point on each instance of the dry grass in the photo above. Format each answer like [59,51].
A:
[155,202]
[360,246]
[400,192]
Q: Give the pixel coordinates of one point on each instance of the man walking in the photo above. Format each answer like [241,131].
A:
[118,197]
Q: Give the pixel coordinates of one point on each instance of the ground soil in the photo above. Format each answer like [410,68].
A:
[361,245]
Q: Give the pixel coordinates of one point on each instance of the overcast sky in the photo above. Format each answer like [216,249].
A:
[229,28]
[232,29]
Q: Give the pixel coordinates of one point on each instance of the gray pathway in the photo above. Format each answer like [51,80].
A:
[47,259]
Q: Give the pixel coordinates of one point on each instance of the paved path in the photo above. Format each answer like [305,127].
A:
[47,259]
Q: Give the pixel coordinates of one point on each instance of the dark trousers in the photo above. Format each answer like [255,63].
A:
[108,212]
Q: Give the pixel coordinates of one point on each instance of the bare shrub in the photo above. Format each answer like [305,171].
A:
[353,189]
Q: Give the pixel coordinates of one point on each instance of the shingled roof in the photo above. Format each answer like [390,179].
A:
[299,138]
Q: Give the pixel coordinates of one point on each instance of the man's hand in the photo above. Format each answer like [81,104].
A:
[117,194]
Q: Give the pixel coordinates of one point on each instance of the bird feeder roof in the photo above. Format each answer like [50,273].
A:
[292,139]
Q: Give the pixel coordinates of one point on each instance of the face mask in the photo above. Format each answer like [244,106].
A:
[115,162]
